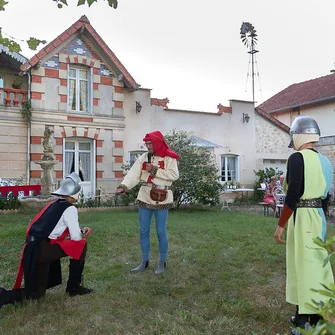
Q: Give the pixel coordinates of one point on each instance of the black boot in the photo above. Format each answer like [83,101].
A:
[10,297]
[73,287]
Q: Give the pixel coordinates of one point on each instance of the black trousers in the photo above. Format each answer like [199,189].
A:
[48,254]
[302,319]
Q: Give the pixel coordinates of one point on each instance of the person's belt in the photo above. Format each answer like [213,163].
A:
[310,203]
[35,238]
[161,187]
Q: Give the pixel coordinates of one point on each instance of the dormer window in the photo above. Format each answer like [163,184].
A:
[79,93]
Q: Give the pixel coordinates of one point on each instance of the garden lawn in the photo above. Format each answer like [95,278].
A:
[226,275]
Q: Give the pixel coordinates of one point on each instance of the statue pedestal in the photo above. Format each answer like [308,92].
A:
[47,179]
[35,204]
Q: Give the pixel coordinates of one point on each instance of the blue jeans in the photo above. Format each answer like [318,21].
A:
[145,215]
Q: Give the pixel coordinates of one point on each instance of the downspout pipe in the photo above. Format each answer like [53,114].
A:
[28,131]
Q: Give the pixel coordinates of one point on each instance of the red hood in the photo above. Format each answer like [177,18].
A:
[160,146]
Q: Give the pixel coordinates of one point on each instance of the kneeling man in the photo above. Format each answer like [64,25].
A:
[53,233]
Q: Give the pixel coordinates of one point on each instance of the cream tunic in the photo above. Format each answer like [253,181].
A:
[165,171]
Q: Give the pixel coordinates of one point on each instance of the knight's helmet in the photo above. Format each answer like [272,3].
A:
[69,186]
[304,125]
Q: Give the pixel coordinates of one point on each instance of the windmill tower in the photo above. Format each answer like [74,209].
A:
[249,39]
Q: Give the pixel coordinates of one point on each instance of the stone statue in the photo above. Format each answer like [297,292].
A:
[47,162]
[48,151]
[47,140]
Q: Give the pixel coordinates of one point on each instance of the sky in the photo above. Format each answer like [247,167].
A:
[190,51]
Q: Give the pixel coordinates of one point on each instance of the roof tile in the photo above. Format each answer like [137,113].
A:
[301,94]
[83,21]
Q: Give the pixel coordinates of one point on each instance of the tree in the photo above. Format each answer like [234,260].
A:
[33,42]
[198,175]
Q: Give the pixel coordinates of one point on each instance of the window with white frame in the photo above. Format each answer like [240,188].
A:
[79,89]
[229,168]
[133,155]
[78,158]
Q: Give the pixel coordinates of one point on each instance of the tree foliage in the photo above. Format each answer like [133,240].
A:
[198,175]
[33,42]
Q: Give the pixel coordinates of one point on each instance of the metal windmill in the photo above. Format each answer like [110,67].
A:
[249,39]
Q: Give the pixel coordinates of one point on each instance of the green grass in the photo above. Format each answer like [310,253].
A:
[226,275]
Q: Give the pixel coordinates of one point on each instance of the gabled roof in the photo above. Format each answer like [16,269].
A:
[84,27]
[311,92]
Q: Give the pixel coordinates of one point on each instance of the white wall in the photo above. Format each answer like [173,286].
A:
[226,130]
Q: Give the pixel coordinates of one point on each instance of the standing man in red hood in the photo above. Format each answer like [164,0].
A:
[46,244]
[155,170]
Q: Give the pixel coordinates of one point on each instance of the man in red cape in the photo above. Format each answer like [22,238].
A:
[46,245]
[155,170]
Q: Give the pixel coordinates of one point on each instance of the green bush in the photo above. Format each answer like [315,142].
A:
[9,203]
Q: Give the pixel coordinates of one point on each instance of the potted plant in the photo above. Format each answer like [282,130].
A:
[17,84]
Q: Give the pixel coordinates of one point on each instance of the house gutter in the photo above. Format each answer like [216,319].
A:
[302,105]
[29,131]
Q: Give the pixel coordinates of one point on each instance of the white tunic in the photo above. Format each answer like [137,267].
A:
[69,219]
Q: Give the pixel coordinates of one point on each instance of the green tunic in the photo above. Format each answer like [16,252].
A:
[304,260]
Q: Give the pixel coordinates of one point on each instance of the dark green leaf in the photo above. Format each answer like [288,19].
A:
[113,3]
[33,43]
[12,45]
[81,2]
[59,5]
[90,2]
[3,3]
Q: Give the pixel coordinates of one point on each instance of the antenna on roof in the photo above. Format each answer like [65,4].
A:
[249,38]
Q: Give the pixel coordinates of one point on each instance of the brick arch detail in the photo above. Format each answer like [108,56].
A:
[79,131]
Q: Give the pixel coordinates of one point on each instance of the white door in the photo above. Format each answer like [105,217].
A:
[79,158]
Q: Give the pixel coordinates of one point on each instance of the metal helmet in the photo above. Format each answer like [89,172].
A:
[69,186]
[303,125]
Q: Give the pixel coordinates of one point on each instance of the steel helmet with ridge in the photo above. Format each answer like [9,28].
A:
[303,125]
[69,185]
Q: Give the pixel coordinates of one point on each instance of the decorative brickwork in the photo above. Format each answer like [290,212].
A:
[118,174]
[118,144]
[63,82]
[35,174]
[118,104]
[159,102]
[59,141]
[59,157]
[118,89]
[79,119]
[52,73]
[106,81]
[36,96]
[224,109]
[36,79]
[59,174]
[35,157]
[36,139]
[118,159]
